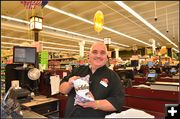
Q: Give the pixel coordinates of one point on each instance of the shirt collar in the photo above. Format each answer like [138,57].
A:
[99,69]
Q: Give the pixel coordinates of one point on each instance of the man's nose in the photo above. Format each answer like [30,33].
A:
[98,55]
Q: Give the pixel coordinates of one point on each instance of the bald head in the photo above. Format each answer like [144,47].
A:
[98,44]
[98,55]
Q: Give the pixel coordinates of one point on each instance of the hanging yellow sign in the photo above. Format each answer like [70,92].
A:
[98,21]
[163,50]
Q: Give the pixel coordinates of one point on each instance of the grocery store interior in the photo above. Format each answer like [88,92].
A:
[45,40]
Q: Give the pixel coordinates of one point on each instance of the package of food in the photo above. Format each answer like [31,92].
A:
[83,94]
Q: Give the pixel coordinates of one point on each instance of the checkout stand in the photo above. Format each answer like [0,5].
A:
[32,115]
[47,105]
[41,107]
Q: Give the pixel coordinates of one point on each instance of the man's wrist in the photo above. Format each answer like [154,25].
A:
[70,83]
[96,104]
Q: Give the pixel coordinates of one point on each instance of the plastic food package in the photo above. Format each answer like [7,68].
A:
[83,94]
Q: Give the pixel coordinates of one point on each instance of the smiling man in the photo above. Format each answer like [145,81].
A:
[104,85]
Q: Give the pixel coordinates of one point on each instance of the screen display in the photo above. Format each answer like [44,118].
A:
[150,64]
[173,70]
[151,75]
[24,54]
[134,63]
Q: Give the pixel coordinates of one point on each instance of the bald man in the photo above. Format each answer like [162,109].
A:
[104,85]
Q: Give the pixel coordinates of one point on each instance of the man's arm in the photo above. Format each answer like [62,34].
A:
[113,102]
[103,105]
[66,87]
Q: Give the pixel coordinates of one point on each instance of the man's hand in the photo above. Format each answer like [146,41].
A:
[103,105]
[73,79]
[91,104]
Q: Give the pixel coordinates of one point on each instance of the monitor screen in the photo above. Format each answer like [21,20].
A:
[173,70]
[134,63]
[24,54]
[151,75]
[150,64]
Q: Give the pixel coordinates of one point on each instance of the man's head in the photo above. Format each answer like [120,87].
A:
[98,55]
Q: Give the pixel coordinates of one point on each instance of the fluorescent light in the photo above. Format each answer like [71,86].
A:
[90,22]
[175,50]
[126,36]
[61,30]
[60,49]
[74,33]
[14,19]
[65,49]
[6,43]
[123,5]
[16,38]
[89,37]
[22,39]
[4,47]
[68,14]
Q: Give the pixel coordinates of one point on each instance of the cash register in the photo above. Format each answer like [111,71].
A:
[22,95]
[151,76]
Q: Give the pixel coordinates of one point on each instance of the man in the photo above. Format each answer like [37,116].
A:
[104,85]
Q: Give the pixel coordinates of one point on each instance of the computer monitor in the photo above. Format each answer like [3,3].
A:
[134,63]
[127,74]
[151,75]
[150,64]
[25,55]
[173,70]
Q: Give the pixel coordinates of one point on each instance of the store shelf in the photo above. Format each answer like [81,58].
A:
[3,79]
[59,63]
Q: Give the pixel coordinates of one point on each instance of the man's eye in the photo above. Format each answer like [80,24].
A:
[94,52]
[103,52]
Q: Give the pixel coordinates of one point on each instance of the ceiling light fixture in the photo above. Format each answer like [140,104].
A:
[173,30]
[44,42]
[14,19]
[123,5]
[175,50]
[15,38]
[89,37]
[68,14]
[36,23]
[61,49]
[126,36]
[155,14]
[6,47]
[65,49]
[90,22]
[61,30]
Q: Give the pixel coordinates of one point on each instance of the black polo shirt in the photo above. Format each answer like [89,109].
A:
[112,92]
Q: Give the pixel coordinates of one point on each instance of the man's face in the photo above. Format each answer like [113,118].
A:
[98,56]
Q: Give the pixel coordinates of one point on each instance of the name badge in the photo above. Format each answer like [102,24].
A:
[104,83]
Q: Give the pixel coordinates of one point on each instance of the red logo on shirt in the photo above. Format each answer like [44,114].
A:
[105,80]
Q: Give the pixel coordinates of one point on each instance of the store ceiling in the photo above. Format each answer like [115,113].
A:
[116,18]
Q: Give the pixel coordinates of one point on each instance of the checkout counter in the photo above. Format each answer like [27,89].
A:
[32,115]
[41,106]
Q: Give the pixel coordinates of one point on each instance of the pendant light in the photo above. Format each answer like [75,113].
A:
[167,29]
[155,12]
[173,31]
